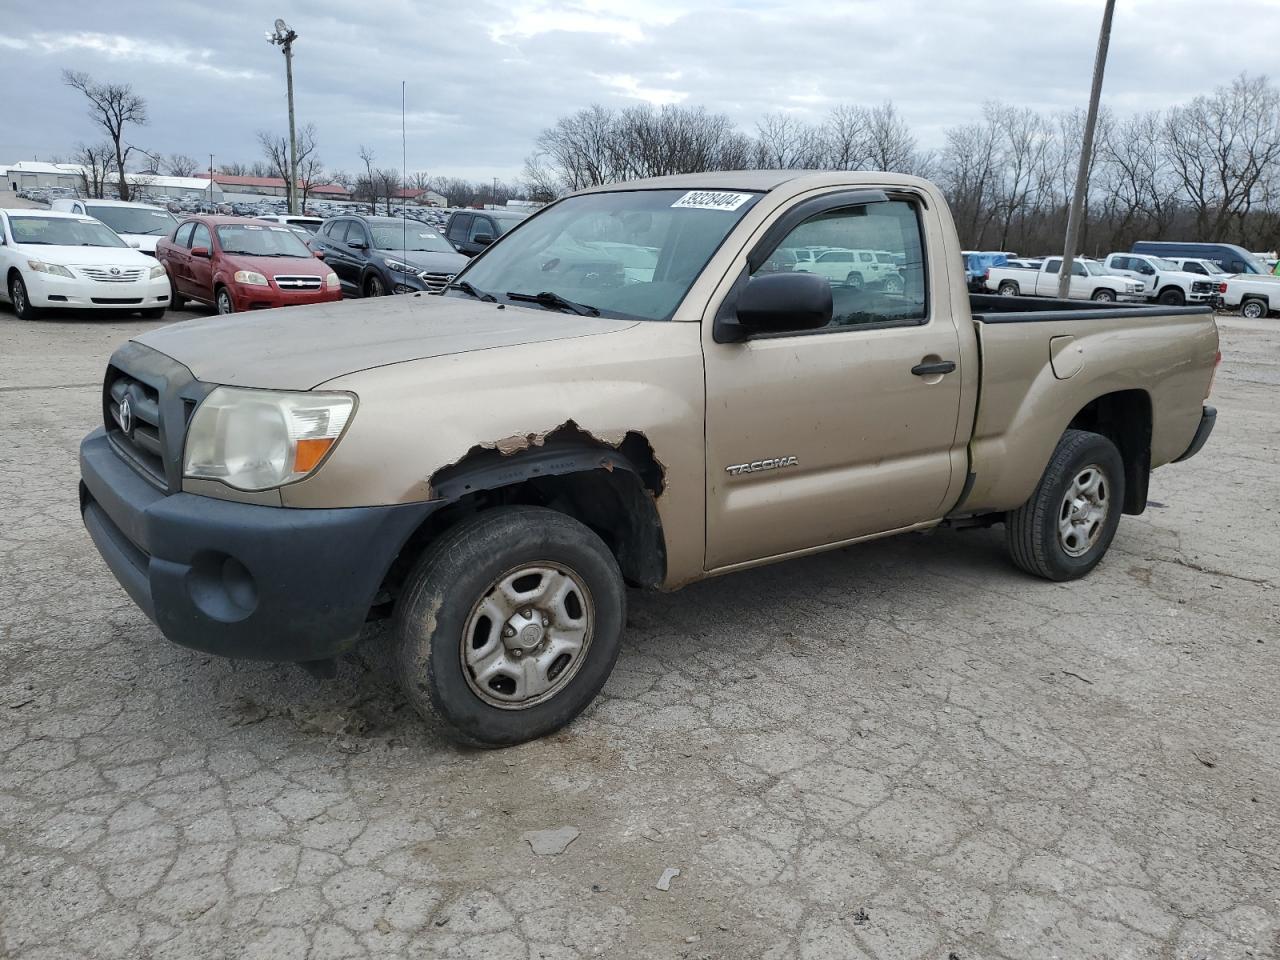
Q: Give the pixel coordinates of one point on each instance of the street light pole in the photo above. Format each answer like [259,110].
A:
[284,37]
[211,179]
[1086,155]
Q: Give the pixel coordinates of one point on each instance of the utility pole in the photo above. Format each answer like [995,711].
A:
[495,193]
[283,38]
[211,179]
[1086,155]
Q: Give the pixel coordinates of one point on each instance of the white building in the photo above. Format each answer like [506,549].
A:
[32,174]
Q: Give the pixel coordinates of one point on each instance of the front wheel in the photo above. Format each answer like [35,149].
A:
[21,301]
[1065,528]
[374,287]
[155,313]
[509,625]
[1104,296]
[1253,309]
[1171,297]
[224,302]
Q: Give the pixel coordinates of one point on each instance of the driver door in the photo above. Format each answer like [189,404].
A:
[822,436]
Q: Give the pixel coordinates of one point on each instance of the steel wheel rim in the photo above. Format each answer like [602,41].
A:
[1082,515]
[1252,310]
[893,285]
[528,635]
[225,305]
[1007,291]
[19,297]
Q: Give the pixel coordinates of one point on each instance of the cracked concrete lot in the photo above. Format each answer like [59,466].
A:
[903,750]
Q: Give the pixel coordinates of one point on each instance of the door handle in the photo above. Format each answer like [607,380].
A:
[934,369]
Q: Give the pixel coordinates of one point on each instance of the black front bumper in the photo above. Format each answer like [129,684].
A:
[237,579]
[1208,417]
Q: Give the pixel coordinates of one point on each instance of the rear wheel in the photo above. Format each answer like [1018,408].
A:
[893,284]
[374,287]
[1008,289]
[222,299]
[854,280]
[1065,528]
[1253,309]
[1103,295]
[21,302]
[509,625]
[1171,297]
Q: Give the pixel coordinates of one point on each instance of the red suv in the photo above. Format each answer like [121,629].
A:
[234,264]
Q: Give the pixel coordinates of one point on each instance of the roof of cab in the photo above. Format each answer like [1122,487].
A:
[757,180]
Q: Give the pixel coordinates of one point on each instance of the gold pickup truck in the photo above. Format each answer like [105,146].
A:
[635,386]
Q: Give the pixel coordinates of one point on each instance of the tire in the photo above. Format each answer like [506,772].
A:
[1103,295]
[1008,288]
[374,287]
[894,284]
[176,300]
[21,302]
[854,280]
[1034,533]
[155,313]
[1172,297]
[1252,309]
[222,300]
[443,616]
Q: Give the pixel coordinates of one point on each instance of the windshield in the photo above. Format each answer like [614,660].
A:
[506,223]
[62,232]
[410,236]
[135,220]
[1093,267]
[264,241]
[1210,267]
[631,254]
[1164,264]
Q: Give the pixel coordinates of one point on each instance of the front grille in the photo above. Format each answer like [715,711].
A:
[141,441]
[1201,286]
[162,397]
[116,301]
[435,282]
[120,274]
[298,283]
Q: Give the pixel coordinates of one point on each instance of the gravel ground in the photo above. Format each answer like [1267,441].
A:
[906,749]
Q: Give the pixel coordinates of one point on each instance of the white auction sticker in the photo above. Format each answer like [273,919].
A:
[711,200]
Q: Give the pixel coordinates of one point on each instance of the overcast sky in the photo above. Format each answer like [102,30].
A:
[485,77]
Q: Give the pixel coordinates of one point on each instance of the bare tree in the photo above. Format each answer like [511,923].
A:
[95,166]
[180,165]
[114,107]
[311,175]
[783,142]
[275,151]
[233,169]
[150,162]
[260,169]
[366,184]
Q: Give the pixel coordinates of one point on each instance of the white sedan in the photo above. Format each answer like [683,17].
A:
[52,260]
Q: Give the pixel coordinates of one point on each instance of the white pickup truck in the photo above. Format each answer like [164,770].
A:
[1165,281]
[1253,295]
[1089,281]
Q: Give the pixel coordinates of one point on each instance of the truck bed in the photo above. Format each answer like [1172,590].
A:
[993,308]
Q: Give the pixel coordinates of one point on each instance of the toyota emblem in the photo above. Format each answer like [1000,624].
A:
[115,271]
[126,416]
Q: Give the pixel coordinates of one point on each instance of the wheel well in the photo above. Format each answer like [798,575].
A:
[1170,288]
[1260,297]
[612,489]
[1124,418]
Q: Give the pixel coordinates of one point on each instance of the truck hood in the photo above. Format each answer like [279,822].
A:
[297,348]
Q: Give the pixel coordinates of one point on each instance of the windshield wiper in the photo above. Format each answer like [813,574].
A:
[549,299]
[466,287]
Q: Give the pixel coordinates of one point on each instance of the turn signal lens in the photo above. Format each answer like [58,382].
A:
[309,453]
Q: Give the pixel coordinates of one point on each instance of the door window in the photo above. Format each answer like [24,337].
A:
[481,227]
[200,238]
[183,237]
[1053,266]
[459,227]
[1192,267]
[338,230]
[894,293]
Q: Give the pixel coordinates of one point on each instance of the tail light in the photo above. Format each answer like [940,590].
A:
[1217,361]
[986,274]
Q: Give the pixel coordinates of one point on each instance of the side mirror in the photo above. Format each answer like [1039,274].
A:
[483,239]
[357,244]
[778,303]
[318,254]
[202,252]
[136,244]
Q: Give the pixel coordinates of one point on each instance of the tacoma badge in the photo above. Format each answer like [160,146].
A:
[755,466]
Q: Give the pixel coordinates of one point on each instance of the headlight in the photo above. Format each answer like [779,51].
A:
[399,267]
[260,439]
[157,271]
[251,277]
[53,269]
[332,282]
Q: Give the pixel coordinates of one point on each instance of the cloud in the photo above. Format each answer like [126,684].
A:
[483,78]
